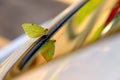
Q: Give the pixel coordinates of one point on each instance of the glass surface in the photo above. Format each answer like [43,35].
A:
[78,32]
[75,34]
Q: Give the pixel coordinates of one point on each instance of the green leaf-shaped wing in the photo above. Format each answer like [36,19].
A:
[33,30]
[48,49]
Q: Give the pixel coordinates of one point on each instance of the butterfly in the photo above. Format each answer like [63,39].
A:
[34,30]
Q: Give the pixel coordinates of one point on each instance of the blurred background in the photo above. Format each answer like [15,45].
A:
[13,13]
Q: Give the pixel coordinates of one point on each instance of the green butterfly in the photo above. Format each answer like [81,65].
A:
[33,30]
[48,49]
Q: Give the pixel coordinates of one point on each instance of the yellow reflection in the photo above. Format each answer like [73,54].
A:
[33,75]
[67,1]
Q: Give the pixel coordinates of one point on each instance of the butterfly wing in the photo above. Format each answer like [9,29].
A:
[33,30]
[48,49]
